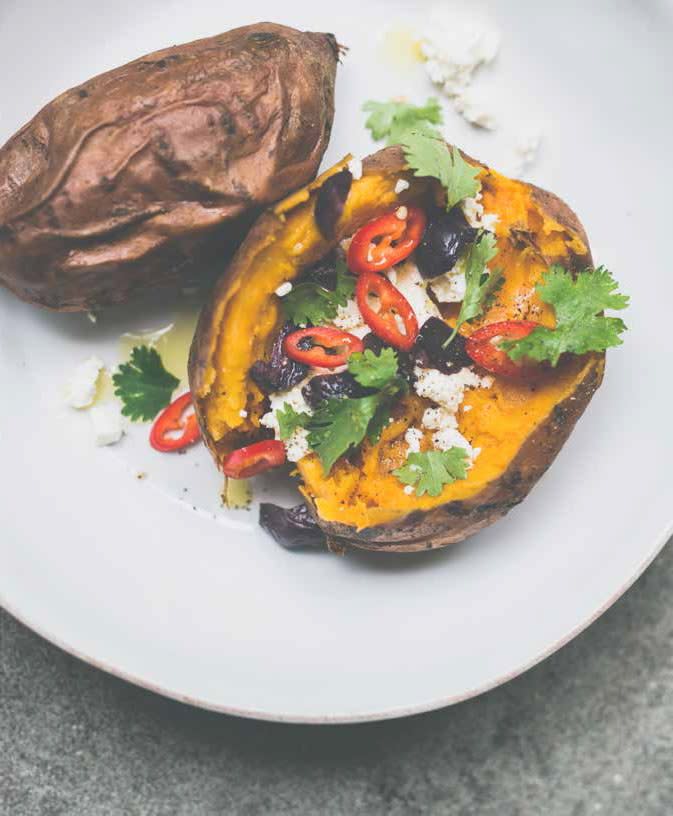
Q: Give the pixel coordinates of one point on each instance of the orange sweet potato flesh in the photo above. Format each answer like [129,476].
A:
[149,175]
[519,427]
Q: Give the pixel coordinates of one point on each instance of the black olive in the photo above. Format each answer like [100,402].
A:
[429,350]
[332,386]
[445,239]
[279,373]
[323,272]
[293,528]
[330,202]
[373,342]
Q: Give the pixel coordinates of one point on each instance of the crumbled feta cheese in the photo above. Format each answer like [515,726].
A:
[293,397]
[526,150]
[467,408]
[355,167]
[298,247]
[401,185]
[450,287]
[408,489]
[447,390]
[454,47]
[107,422]
[284,289]
[435,419]
[81,387]
[348,318]
[413,438]
[413,286]
[448,438]
[473,210]
[296,446]
[243,413]
[402,213]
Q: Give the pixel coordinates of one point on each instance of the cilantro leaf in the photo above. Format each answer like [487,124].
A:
[480,284]
[371,370]
[340,424]
[143,384]
[289,420]
[310,303]
[388,120]
[428,155]
[432,470]
[577,304]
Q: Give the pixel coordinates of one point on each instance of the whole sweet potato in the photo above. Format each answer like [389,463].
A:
[148,174]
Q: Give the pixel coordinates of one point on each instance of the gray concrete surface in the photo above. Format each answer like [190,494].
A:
[590,731]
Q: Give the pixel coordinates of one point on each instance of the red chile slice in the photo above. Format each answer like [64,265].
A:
[330,202]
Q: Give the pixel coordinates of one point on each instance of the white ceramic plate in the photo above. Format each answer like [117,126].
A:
[162,586]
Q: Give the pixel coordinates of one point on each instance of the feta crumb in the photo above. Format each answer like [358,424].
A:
[355,167]
[454,46]
[435,419]
[107,422]
[413,286]
[348,318]
[402,213]
[447,390]
[401,185]
[293,397]
[243,413]
[296,446]
[298,247]
[467,408]
[448,438]
[92,317]
[413,438]
[450,287]
[81,387]
[473,210]
[284,289]
[408,489]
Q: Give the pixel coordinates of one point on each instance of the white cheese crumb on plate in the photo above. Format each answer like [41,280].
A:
[80,389]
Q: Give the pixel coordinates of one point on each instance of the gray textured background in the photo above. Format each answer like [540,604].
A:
[588,731]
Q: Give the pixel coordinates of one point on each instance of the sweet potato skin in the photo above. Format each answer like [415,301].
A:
[452,521]
[150,174]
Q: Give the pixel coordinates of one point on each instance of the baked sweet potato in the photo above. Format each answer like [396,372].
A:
[519,427]
[150,173]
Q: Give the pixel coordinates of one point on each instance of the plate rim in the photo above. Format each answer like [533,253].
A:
[346,719]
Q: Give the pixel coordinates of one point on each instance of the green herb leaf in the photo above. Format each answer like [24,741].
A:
[339,425]
[580,327]
[372,370]
[480,284]
[389,120]
[432,470]
[143,384]
[289,420]
[310,303]
[428,155]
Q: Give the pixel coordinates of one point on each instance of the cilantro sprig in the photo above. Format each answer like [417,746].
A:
[143,384]
[340,424]
[426,152]
[480,284]
[580,326]
[289,420]
[310,303]
[430,471]
[373,370]
[389,120]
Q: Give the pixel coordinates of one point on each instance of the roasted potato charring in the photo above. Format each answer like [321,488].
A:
[150,174]
[519,427]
